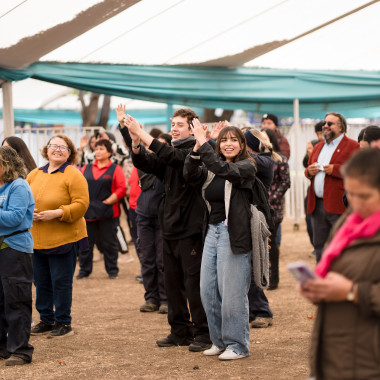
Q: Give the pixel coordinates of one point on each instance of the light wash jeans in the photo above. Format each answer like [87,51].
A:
[225,280]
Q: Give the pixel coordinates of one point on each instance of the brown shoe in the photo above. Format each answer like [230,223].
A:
[262,322]
[163,308]
[15,360]
[148,307]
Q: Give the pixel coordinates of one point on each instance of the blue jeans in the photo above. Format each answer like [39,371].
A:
[53,277]
[225,280]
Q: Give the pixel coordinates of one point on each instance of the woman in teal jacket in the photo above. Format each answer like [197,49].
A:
[16,270]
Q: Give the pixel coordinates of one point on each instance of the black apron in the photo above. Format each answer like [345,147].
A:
[99,190]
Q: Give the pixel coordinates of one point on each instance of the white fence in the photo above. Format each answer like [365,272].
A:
[36,138]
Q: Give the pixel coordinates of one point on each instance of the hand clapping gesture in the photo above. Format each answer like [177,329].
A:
[199,131]
[134,128]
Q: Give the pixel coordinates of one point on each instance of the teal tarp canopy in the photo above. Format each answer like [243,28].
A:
[71,117]
[353,93]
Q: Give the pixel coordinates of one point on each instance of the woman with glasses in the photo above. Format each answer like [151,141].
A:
[59,229]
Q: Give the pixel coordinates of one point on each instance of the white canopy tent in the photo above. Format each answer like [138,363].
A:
[192,31]
[300,34]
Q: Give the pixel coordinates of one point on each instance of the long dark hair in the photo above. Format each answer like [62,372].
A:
[236,132]
[12,164]
[273,140]
[22,150]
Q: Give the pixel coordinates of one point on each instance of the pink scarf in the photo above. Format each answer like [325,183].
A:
[353,229]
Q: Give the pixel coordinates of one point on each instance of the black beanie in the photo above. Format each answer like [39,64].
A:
[270,116]
[252,141]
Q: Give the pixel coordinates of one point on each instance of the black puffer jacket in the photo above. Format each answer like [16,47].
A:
[182,212]
[239,178]
[150,198]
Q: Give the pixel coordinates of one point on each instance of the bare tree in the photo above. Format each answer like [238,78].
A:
[210,117]
[90,111]
[105,111]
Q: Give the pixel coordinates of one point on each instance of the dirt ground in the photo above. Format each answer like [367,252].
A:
[113,340]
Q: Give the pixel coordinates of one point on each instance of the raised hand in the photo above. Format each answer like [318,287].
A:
[217,128]
[134,128]
[120,112]
[198,130]
[83,142]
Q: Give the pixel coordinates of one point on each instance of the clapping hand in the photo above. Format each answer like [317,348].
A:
[134,128]
[199,131]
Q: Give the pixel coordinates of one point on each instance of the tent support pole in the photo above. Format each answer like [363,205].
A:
[9,127]
[169,113]
[297,179]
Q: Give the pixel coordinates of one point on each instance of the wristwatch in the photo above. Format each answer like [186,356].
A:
[136,146]
[351,294]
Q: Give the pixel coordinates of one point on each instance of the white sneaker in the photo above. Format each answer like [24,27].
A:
[213,351]
[126,258]
[231,355]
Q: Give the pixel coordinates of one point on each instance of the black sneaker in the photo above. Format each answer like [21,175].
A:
[41,329]
[197,346]
[168,342]
[60,330]
[82,275]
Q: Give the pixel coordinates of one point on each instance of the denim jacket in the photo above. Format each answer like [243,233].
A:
[16,214]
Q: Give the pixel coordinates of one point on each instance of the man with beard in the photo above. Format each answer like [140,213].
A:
[325,203]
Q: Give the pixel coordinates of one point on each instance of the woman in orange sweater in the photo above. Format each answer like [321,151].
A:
[61,195]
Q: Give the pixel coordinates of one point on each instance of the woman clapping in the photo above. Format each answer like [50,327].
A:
[226,180]
[59,230]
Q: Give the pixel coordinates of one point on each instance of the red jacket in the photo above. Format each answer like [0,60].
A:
[333,189]
[134,189]
[283,143]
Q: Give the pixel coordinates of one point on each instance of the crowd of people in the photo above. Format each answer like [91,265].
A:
[204,209]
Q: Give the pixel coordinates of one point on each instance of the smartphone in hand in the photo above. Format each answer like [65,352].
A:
[301,271]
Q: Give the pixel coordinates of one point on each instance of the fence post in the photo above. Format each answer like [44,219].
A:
[298,184]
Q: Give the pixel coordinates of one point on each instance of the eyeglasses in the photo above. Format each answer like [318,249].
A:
[329,123]
[62,148]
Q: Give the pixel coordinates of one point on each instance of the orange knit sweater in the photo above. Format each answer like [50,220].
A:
[67,191]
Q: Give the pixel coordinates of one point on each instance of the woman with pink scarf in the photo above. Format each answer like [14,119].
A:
[346,335]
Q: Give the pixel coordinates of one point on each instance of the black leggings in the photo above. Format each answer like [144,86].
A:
[274,258]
